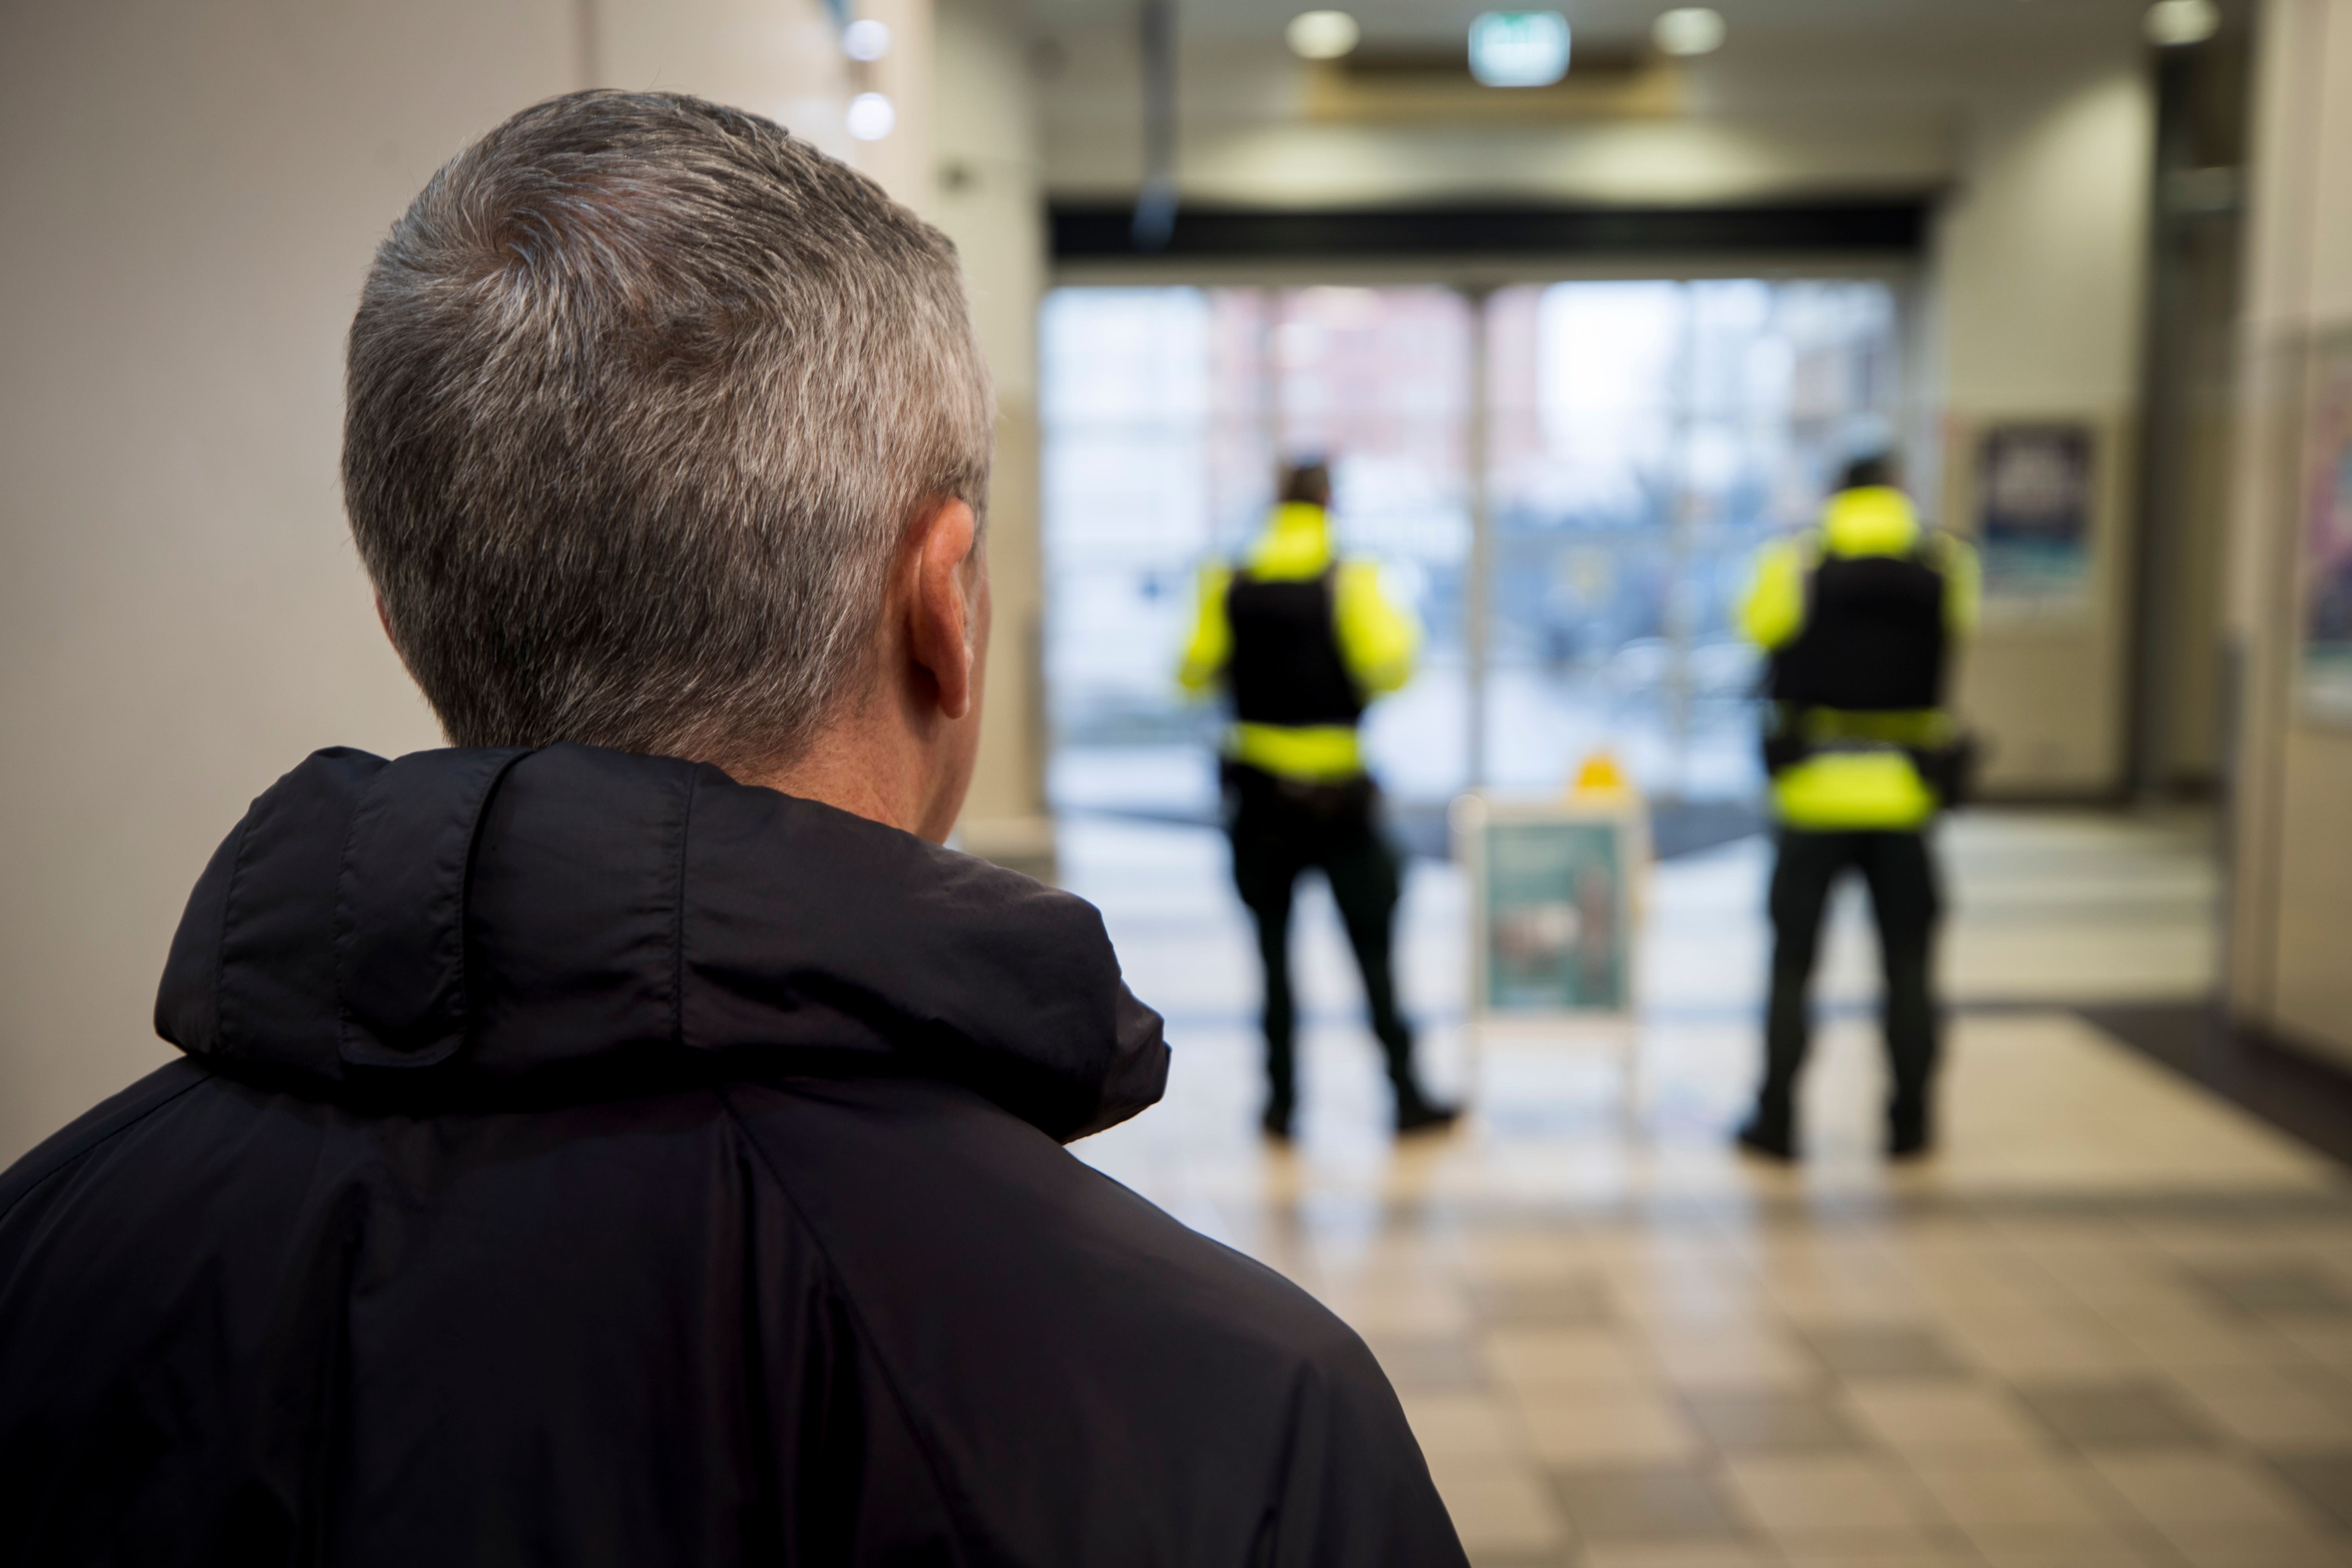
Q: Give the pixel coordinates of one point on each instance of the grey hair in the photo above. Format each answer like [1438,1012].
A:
[642,394]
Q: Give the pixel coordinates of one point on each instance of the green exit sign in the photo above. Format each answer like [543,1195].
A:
[1519,48]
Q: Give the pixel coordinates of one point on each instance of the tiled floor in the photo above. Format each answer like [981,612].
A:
[2110,1324]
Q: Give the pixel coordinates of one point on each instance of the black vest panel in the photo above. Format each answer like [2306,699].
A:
[1287,666]
[1874,637]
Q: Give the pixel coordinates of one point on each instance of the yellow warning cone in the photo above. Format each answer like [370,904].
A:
[1599,778]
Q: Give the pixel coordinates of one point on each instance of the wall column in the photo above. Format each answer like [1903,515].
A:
[987,199]
[2039,264]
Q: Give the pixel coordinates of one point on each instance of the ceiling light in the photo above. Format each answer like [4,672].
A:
[2172,23]
[865,39]
[1519,48]
[871,117]
[1688,30]
[1321,34]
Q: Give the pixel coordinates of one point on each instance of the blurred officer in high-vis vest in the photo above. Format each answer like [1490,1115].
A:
[1860,615]
[1300,641]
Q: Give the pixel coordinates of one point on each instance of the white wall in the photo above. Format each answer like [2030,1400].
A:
[987,199]
[2039,268]
[193,189]
[2290,922]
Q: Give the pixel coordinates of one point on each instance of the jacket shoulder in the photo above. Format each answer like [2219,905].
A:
[92,1129]
[1175,1400]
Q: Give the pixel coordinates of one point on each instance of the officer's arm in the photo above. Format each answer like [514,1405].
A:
[1963,586]
[1212,635]
[1377,636]
[1773,609]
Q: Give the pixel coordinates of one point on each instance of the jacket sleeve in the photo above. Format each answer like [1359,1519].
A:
[1772,610]
[1378,637]
[1211,645]
[1355,1491]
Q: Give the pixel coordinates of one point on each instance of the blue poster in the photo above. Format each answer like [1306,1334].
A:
[2033,512]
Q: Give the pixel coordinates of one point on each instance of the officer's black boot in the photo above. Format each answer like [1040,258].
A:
[1908,1128]
[1281,1073]
[1771,1128]
[1770,1132]
[1415,1111]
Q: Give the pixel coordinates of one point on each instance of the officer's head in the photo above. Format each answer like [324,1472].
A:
[1862,473]
[1309,483]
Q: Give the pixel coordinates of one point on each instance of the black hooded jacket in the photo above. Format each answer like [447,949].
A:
[581,1159]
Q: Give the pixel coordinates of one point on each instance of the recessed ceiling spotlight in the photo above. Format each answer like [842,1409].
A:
[2173,23]
[1519,48]
[865,39]
[1321,34]
[871,117]
[1688,30]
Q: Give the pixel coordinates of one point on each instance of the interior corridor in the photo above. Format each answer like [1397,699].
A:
[2109,1323]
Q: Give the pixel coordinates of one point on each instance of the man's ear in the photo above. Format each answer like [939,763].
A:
[943,613]
[383,619]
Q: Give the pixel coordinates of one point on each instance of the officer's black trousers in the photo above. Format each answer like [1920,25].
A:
[1274,842]
[1901,875]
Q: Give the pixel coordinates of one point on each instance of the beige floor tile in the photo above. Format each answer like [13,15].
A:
[2197,1491]
[2044,1493]
[1432,1363]
[1498,1507]
[2213,1349]
[1466,1425]
[1675,1554]
[2262,1546]
[1872,1549]
[1609,1424]
[1693,1359]
[1420,1310]
[2043,1355]
[1816,1494]
[1619,1502]
[1531,1358]
[1926,1417]
[2325,1340]
[2288,1419]
[2081,1547]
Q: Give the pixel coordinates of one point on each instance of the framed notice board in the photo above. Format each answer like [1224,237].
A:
[1552,905]
[2035,490]
[2322,673]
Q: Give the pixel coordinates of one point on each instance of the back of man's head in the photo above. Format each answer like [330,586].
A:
[642,393]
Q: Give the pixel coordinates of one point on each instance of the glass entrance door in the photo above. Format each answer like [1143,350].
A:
[1647,437]
[1641,438]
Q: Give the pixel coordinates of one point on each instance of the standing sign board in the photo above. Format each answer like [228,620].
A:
[1552,891]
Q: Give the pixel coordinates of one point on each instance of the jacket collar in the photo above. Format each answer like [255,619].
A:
[464,917]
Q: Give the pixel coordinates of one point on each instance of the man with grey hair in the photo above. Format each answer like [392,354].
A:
[625,1135]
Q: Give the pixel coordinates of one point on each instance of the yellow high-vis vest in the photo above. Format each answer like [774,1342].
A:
[1375,639]
[1858,772]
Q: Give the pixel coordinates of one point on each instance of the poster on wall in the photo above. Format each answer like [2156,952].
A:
[2324,668]
[2034,497]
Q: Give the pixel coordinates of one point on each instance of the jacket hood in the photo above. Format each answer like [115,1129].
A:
[460,919]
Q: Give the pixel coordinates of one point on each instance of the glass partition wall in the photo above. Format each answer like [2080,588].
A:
[1637,441]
